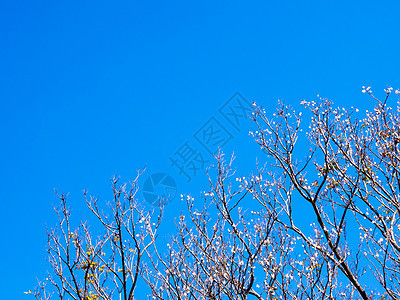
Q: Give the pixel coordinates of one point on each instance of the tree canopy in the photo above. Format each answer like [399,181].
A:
[247,237]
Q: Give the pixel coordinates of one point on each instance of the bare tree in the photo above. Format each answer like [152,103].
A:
[213,257]
[348,184]
[247,237]
[223,251]
[88,268]
[350,179]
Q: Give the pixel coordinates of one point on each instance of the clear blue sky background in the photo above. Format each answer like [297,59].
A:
[91,89]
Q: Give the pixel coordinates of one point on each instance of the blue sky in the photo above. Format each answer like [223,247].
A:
[92,89]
